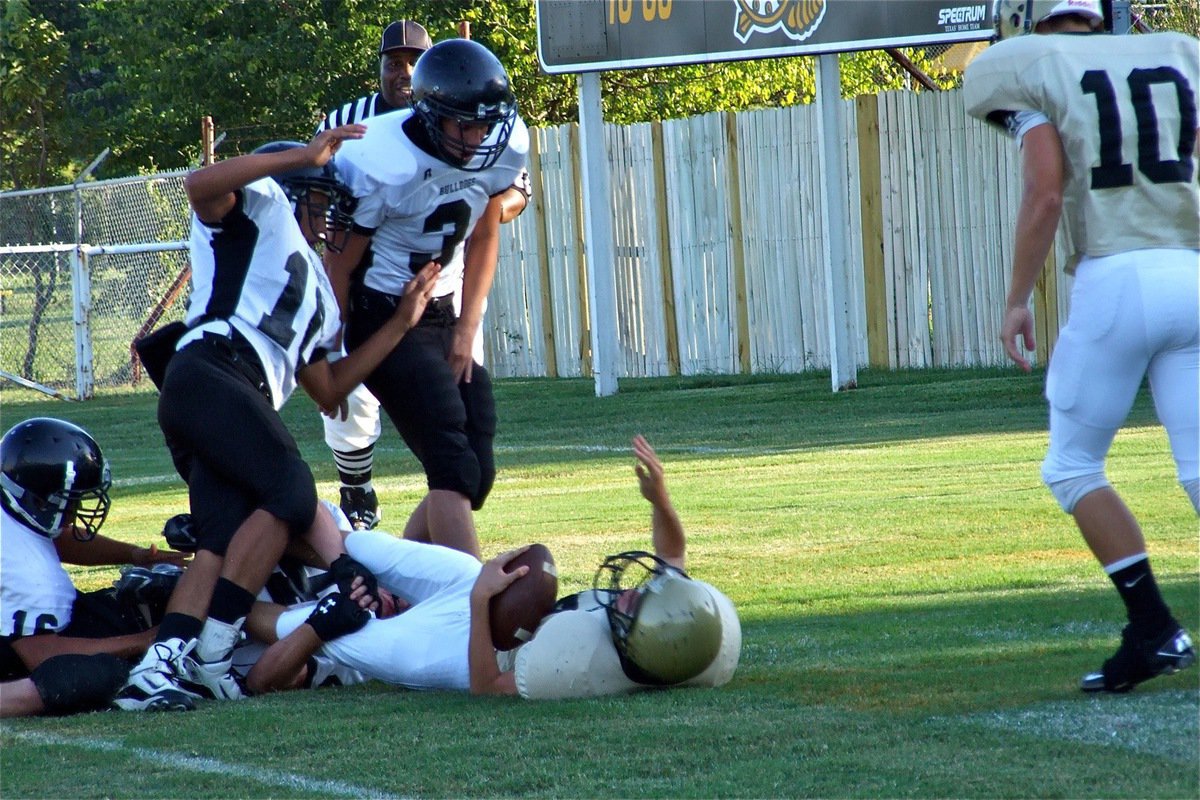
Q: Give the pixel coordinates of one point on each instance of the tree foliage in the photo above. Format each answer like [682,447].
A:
[33,56]
[137,76]
[1176,15]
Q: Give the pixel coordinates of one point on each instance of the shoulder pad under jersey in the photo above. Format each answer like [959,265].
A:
[383,157]
[992,86]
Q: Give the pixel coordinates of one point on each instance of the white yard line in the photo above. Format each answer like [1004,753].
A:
[268,777]
[152,480]
[1162,723]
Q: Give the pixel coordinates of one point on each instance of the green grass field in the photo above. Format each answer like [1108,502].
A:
[916,609]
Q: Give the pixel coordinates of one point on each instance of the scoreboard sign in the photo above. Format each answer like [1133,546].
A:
[593,35]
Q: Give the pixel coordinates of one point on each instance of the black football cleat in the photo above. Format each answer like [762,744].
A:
[361,507]
[1139,659]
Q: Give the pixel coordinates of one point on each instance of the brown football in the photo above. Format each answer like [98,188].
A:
[516,612]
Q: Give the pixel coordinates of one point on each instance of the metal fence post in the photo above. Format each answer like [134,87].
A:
[81,293]
[81,304]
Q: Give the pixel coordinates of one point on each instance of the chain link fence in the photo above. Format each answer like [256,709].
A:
[84,270]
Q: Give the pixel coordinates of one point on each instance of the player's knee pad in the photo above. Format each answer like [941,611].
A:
[460,474]
[295,499]
[480,405]
[1069,491]
[71,683]
[486,478]
[1074,463]
[1192,487]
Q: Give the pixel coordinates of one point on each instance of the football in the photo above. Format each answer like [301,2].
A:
[516,612]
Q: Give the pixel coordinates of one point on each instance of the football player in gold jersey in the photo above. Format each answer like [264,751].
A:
[1107,127]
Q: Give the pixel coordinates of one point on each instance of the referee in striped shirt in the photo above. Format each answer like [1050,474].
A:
[403,43]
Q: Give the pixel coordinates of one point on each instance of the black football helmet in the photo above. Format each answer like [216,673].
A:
[666,627]
[52,473]
[298,184]
[460,80]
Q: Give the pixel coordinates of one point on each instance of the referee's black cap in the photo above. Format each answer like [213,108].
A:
[403,34]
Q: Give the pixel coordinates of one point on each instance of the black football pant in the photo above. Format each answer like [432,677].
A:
[448,426]
[219,422]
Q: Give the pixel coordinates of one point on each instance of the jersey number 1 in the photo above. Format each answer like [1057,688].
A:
[1112,173]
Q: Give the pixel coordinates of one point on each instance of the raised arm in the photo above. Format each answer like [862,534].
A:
[210,189]
[666,530]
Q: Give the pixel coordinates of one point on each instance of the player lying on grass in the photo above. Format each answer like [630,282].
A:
[645,624]
[54,483]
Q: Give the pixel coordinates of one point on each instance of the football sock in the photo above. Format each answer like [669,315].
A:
[354,466]
[178,626]
[1138,589]
[230,602]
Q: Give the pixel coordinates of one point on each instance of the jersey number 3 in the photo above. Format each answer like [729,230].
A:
[1112,173]
[451,220]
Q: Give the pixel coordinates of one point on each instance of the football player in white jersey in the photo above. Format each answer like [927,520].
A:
[429,183]
[54,483]
[664,630]
[1109,132]
[298,579]
[352,438]
[261,317]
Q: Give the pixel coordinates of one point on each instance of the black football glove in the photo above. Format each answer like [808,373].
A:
[337,615]
[345,569]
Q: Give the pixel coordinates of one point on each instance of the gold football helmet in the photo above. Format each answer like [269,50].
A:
[665,626]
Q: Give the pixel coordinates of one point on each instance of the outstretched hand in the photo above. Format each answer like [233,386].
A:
[650,472]
[417,293]
[149,556]
[327,142]
[493,579]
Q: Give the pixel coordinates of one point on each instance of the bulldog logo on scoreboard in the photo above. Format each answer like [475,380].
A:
[798,19]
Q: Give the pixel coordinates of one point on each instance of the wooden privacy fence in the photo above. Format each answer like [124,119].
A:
[717,251]
[718,244]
